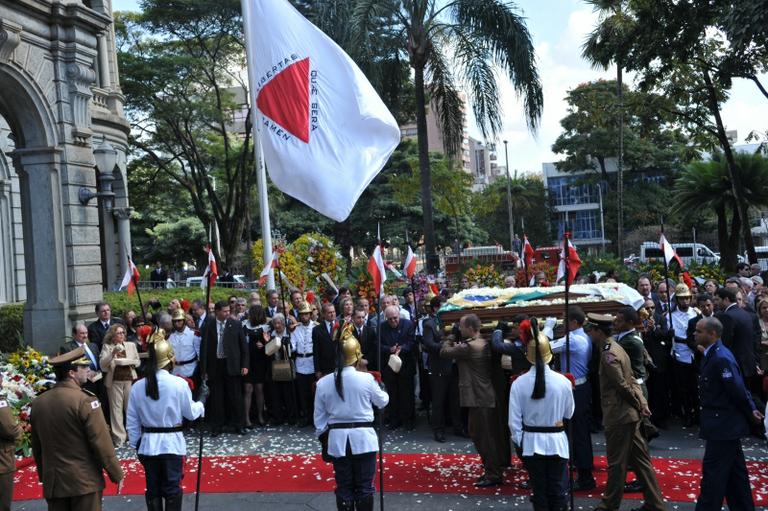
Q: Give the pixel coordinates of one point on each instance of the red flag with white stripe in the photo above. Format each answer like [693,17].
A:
[574,262]
[377,271]
[211,271]
[410,263]
[528,252]
[669,252]
[131,278]
[273,261]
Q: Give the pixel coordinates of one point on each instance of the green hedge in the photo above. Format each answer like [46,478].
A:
[11,326]
[120,301]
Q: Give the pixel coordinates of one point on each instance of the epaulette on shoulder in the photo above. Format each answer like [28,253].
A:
[88,392]
[607,346]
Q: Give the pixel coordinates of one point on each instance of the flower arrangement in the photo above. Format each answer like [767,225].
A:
[483,275]
[25,373]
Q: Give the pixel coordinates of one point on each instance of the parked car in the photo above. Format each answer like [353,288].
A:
[762,257]
[688,252]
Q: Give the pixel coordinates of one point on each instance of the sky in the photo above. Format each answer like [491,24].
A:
[558,28]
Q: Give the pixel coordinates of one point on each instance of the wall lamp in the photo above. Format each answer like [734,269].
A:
[106,160]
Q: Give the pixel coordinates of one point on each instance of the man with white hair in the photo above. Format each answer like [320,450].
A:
[397,339]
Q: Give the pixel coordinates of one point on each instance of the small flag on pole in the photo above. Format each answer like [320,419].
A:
[131,278]
[376,270]
[528,253]
[670,254]
[211,271]
[410,264]
[273,261]
[574,263]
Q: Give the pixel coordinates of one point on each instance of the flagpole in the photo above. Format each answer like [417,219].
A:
[138,293]
[380,421]
[566,265]
[261,174]
[669,293]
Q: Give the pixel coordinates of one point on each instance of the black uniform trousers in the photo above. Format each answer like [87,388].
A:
[581,422]
[549,481]
[401,391]
[686,391]
[163,474]
[445,401]
[724,476]
[304,384]
[354,475]
[225,404]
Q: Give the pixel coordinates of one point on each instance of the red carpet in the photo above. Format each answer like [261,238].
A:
[413,473]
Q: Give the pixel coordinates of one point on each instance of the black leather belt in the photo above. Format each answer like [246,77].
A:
[169,429]
[543,429]
[304,355]
[350,425]
[185,362]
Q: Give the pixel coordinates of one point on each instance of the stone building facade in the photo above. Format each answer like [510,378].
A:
[61,119]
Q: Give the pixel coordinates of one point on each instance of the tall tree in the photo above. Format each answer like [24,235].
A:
[478,34]
[676,51]
[177,59]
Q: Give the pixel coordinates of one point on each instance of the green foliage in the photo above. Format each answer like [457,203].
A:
[121,302]
[175,242]
[11,327]
[605,264]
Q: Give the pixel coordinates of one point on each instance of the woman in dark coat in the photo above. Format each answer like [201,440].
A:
[257,335]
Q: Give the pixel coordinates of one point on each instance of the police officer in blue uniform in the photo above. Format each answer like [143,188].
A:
[726,412]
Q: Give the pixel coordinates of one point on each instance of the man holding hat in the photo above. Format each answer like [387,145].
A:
[539,401]
[159,402]
[10,432]
[186,345]
[344,404]
[70,439]
[623,406]
[685,393]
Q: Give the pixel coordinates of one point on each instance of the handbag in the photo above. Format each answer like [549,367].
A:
[283,370]
[272,346]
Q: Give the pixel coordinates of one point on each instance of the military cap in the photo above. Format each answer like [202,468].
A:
[70,359]
[305,308]
[599,320]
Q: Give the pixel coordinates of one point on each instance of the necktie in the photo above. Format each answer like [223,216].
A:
[220,340]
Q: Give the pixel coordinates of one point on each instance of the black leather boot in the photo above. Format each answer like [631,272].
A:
[154,503]
[174,503]
[344,505]
[364,504]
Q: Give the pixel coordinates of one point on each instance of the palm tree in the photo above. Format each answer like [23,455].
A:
[451,42]
[707,184]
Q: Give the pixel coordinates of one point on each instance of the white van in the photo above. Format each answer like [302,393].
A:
[688,252]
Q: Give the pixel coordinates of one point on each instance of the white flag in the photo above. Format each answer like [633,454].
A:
[324,130]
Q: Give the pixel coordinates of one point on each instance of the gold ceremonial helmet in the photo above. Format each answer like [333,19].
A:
[350,346]
[682,291]
[164,354]
[179,314]
[305,308]
[545,350]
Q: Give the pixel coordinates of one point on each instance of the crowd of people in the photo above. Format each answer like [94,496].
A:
[632,373]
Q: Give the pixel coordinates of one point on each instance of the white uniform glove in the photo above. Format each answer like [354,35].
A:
[549,328]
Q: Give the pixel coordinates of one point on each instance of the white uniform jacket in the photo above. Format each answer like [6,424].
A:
[174,404]
[361,394]
[301,342]
[186,347]
[556,405]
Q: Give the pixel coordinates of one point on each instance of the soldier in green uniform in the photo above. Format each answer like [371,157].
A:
[623,406]
[10,432]
[70,439]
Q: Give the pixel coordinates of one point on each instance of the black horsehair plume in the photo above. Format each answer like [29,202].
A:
[539,385]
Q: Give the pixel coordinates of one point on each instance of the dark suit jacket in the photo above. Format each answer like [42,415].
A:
[367,340]
[72,345]
[323,349]
[158,277]
[431,341]
[96,330]
[744,340]
[235,347]
[404,336]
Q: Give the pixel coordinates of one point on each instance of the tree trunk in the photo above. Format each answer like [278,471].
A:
[433,262]
[727,258]
[620,169]
[730,249]
[736,185]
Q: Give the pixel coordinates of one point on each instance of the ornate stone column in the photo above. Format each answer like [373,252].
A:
[123,219]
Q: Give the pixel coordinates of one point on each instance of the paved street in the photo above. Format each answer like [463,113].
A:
[674,443]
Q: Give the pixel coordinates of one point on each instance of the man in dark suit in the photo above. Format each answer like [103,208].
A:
[158,276]
[726,414]
[443,376]
[323,348]
[271,308]
[98,329]
[744,339]
[223,362]
[366,337]
[95,383]
[397,338]
[645,288]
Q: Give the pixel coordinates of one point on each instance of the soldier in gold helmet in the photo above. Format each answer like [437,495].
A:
[344,404]
[540,400]
[186,345]
[70,439]
[685,392]
[156,409]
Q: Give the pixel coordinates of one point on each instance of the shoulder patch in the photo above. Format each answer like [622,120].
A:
[727,374]
[95,404]
[3,404]
[609,357]
[607,346]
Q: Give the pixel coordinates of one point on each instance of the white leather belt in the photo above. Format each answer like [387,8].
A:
[581,381]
